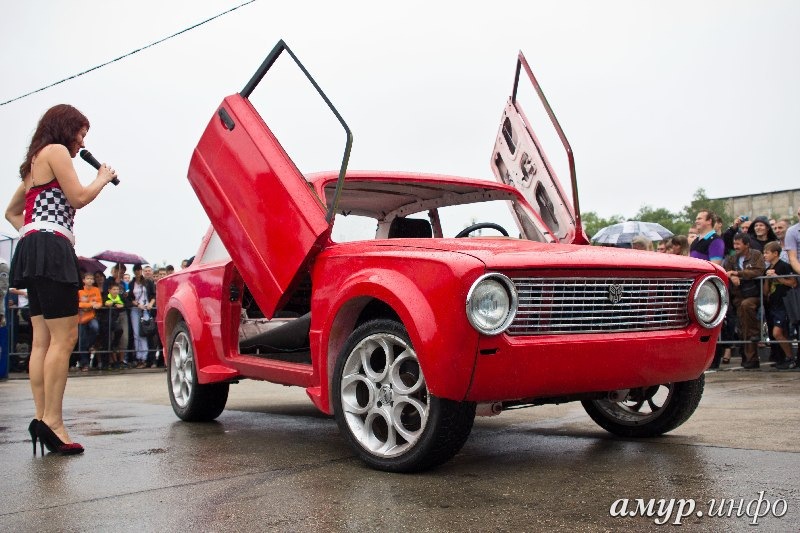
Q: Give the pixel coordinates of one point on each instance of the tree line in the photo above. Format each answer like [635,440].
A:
[678,223]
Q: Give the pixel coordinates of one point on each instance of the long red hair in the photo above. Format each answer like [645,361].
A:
[59,125]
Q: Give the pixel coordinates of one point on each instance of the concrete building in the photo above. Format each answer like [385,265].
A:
[778,204]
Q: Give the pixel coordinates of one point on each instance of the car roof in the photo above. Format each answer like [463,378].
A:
[379,193]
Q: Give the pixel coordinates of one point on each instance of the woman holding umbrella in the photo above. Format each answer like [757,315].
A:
[43,210]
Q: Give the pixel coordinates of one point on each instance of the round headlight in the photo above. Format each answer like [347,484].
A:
[491,303]
[710,302]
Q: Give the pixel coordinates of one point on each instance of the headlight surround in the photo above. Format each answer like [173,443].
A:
[710,302]
[491,303]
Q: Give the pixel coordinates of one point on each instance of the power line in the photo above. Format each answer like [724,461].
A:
[128,54]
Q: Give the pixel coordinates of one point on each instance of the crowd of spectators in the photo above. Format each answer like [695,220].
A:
[111,312]
[760,257]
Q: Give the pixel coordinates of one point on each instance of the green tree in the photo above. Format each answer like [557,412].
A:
[592,222]
[701,201]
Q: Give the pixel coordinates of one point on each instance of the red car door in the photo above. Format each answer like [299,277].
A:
[270,220]
[519,160]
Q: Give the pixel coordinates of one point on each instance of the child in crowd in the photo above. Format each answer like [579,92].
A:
[88,300]
[116,303]
[775,290]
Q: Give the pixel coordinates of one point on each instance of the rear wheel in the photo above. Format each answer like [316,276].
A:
[383,407]
[190,400]
[649,411]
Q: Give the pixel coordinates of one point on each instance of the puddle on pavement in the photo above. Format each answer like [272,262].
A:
[152,451]
[96,433]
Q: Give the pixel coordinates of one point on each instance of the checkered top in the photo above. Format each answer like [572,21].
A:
[48,203]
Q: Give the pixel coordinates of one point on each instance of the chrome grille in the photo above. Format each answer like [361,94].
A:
[585,305]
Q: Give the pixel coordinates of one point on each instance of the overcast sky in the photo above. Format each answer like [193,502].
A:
[656,98]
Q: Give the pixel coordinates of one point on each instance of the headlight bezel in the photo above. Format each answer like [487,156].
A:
[513,303]
[722,291]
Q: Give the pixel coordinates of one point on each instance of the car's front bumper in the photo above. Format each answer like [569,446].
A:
[513,368]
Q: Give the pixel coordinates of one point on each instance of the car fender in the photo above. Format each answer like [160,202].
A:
[446,351]
[185,302]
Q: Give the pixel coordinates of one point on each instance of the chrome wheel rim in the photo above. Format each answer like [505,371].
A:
[385,400]
[181,371]
[640,406]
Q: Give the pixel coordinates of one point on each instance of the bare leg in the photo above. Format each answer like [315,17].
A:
[41,341]
[63,334]
[777,334]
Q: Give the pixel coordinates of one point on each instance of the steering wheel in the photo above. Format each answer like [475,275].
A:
[481,225]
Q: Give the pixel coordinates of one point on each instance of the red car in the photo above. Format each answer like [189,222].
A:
[367,289]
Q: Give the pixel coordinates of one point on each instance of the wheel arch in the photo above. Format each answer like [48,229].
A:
[397,297]
[183,303]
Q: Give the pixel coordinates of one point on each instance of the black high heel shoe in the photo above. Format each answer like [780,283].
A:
[54,444]
[32,430]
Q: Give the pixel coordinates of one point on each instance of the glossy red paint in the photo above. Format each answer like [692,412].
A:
[239,175]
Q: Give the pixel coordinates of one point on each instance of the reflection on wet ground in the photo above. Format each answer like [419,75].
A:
[272,462]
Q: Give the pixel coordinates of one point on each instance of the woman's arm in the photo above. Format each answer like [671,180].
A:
[15,212]
[57,156]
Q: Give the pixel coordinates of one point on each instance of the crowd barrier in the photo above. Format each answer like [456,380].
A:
[19,330]
[20,336]
[764,333]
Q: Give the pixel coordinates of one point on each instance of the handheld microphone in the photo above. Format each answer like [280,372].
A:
[87,156]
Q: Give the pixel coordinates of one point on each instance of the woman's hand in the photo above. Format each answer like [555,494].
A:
[106,173]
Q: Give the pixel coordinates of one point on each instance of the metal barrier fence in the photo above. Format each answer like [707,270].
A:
[20,336]
[764,334]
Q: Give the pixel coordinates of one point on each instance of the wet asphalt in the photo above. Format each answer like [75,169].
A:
[271,462]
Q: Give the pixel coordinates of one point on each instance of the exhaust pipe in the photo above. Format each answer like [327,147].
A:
[489,409]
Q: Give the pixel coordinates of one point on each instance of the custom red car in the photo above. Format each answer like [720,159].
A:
[405,304]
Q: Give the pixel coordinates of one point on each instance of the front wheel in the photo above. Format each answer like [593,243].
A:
[383,407]
[190,400]
[649,411]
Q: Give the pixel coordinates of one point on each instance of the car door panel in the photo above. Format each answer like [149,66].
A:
[267,216]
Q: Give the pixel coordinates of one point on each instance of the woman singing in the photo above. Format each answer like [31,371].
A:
[43,210]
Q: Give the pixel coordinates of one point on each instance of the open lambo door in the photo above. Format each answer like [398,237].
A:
[519,160]
[269,218]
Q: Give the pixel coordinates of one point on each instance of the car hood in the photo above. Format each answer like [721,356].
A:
[516,254]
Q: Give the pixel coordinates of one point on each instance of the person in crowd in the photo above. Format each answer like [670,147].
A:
[691,235]
[792,245]
[642,243]
[43,210]
[781,227]
[100,281]
[680,245]
[742,268]
[3,291]
[708,245]
[18,298]
[169,269]
[775,289]
[772,223]
[89,300]
[154,342]
[141,299]
[116,305]
[760,233]
[661,247]
[126,282]
[122,325]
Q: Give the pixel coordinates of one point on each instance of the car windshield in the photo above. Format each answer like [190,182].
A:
[369,209]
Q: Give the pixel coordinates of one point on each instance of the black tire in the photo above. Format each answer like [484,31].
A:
[630,419]
[393,394]
[190,400]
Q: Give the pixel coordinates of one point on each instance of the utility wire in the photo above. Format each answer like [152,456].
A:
[128,54]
